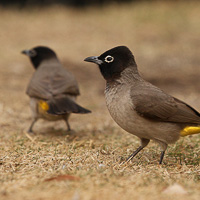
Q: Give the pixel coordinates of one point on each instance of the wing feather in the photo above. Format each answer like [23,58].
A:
[45,85]
[154,104]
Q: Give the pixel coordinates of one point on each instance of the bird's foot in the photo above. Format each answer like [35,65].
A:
[30,132]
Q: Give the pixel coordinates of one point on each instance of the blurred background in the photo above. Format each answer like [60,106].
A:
[76,3]
[163,35]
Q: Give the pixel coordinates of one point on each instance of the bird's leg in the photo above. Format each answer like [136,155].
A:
[66,117]
[30,130]
[161,157]
[134,153]
[144,143]
[163,149]
[68,126]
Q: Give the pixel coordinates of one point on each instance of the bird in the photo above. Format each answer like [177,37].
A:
[141,108]
[52,89]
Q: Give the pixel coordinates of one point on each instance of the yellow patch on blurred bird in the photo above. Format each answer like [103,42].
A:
[189,130]
[43,105]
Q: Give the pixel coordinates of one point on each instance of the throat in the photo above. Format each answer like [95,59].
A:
[126,77]
[108,74]
[112,85]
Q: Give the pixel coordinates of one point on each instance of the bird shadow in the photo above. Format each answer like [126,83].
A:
[59,133]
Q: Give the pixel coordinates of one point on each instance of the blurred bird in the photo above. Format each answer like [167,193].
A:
[141,108]
[52,89]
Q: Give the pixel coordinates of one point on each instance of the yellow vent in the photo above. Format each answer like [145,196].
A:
[43,105]
[189,130]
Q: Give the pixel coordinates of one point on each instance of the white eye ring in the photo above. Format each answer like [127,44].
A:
[109,59]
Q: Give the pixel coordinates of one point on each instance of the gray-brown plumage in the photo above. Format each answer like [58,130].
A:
[138,106]
[52,89]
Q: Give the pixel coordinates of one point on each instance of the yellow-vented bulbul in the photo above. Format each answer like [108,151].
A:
[141,108]
[52,89]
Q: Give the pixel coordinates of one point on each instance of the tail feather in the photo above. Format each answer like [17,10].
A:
[64,105]
[190,130]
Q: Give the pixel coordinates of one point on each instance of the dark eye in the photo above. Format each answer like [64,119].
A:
[109,59]
[32,53]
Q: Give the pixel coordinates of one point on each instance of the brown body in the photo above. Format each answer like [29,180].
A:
[53,85]
[122,109]
[139,107]
[49,81]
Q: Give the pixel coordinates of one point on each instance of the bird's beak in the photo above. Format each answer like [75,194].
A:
[29,52]
[94,59]
[26,52]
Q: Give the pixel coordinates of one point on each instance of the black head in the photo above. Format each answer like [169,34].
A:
[113,62]
[39,54]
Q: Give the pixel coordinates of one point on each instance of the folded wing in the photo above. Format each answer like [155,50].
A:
[64,105]
[153,103]
[57,81]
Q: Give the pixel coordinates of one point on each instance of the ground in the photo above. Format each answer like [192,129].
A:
[86,163]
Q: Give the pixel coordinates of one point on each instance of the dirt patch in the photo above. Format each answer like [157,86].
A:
[164,38]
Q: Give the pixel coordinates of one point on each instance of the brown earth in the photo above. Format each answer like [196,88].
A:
[85,164]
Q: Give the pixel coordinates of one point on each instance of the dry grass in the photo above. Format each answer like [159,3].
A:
[165,40]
